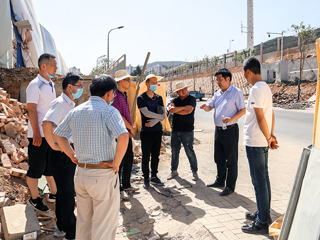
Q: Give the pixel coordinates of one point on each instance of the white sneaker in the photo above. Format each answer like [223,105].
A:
[124,195]
[59,233]
[132,188]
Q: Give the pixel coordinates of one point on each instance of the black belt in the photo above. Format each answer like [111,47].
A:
[228,127]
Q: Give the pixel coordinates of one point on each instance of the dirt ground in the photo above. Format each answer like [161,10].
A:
[154,211]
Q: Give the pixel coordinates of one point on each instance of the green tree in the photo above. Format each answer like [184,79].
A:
[137,71]
[240,57]
[101,66]
[306,35]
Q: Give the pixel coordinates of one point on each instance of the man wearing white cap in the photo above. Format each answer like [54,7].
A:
[121,103]
[183,108]
[152,112]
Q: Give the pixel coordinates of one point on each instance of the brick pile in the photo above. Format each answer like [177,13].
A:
[13,134]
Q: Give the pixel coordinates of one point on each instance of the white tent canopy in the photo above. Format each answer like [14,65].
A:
[35,42]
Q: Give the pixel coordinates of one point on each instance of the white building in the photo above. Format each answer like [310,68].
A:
[156,69]
[130,69]
[75,70]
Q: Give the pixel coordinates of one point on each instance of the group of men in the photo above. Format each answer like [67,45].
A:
[229,106]
[87,149]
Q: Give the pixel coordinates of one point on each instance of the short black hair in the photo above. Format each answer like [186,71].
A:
[70,78]
[44,58]
[225,73]
[102,84]
[253,65]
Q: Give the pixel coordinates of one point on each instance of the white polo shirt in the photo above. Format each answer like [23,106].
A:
[58,110]
[40,92]
[260,97]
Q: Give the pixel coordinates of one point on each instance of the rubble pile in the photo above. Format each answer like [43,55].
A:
[13,135]
[289,101]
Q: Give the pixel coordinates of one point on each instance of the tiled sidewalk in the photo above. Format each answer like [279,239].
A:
[224,216]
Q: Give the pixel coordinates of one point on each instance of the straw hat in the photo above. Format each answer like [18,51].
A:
[122,74]
[180,85]
[143,83]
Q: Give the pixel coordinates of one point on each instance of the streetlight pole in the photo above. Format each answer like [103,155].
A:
[231,40]
[281,41]
[99,58]
[108,44]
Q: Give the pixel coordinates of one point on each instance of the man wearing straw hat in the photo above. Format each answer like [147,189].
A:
[183,108]
[152,112]
[121,103]
[229,106]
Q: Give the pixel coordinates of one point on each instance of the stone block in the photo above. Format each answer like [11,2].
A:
[17,157]
[18,220]
[16,172]
[5,160]
[7,146]
[23,165]
[2,199]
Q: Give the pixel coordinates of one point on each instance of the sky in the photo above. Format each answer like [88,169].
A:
[171,30]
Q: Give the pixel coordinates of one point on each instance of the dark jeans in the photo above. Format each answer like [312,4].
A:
[226,155]
[150,144]
[63,173]
[126,167]
[258,163]
[186,138]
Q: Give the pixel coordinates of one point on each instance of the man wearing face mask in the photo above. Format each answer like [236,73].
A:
[40,93]
[152,112]
[60,164]
[94,126]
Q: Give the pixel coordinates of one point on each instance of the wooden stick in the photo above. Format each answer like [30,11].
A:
[133,109]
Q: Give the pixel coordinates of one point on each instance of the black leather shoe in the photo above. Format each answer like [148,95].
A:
[216,184]
[253,217]
[256,227]
[226,191]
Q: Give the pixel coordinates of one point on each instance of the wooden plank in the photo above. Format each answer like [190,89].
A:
[133,109]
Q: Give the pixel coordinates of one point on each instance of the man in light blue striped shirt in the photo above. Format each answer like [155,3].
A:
[95,125]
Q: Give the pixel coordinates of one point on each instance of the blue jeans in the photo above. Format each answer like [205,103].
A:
[186,138]
[258,163]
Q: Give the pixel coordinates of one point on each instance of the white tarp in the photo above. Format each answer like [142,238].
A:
[5,35]
[50,47]
[306,221]
[37,41]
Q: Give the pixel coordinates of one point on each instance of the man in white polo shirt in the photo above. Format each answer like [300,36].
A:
[258,138]
[40,93]
[61,166]
[229,107]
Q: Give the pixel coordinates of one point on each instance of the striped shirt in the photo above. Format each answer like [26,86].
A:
[121,103]
[94,126]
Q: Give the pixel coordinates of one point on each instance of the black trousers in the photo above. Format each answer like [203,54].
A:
[226,155]
[150,145]
[63,173]
[126,167]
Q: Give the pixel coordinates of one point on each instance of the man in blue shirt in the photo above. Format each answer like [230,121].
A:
[229,107]
[95,125]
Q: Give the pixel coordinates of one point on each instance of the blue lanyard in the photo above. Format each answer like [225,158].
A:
[50,83]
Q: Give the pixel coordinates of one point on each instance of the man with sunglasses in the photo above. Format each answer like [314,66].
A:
[61,166]
[121,103]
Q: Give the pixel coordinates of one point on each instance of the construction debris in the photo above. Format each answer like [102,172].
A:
[13,134]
